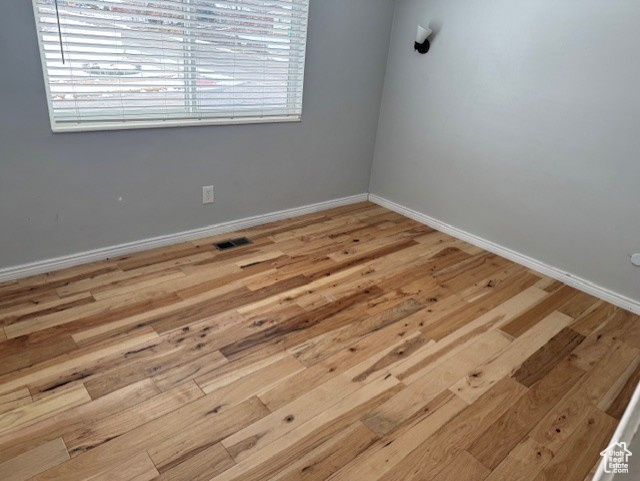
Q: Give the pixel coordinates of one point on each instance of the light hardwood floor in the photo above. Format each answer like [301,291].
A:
[352,344]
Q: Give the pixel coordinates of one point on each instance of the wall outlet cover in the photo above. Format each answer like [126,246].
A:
[207,194]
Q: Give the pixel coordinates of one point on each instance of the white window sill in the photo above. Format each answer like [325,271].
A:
[153,124]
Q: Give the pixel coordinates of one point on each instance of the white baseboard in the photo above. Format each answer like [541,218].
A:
[558,274]
[49,265]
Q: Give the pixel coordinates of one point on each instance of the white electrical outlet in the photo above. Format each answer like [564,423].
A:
[207,194]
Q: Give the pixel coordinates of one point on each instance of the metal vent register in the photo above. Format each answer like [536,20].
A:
[231,243]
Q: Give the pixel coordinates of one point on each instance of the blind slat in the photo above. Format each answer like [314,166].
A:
[142,61]
[218,17]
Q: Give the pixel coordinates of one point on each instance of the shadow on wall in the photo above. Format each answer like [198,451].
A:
[436,27]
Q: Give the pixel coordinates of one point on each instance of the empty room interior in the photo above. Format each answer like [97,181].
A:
[346,240]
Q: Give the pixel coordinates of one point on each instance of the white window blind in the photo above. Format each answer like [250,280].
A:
[143,63]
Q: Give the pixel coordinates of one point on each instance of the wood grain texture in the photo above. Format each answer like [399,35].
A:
[576,457]
[463,467]
[347,344]
[35,461]
[29,414]
[494,444]
[136,468]
[13,400]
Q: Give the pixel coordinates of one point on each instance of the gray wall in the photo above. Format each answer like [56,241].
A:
[522,126]
[59,193]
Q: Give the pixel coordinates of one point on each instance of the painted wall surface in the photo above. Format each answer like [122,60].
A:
[59,192]
[521,126]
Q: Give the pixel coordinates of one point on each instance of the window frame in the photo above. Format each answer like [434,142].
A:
[131,124]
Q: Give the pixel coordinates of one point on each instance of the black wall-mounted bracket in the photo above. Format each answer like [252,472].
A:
[422,47]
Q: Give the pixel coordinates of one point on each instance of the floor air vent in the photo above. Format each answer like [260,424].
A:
[231,243]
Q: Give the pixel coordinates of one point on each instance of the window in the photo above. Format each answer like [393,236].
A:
[112,64]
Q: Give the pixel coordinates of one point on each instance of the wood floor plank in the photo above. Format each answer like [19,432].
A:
[120,306]
[372,347]
[165,439]
[74,420]
[31,463]
[8,284]
[579,305]
[31,413]
[347,344]
[202,466]
[277,455]
[170,352]
[463,467]
[138,468]
[124,421]
[30,297]
[616,392]
[428,386]
[67,275]
[566,417]
[525,461]
[548,284]
[455,342]
[391,449]
[524,322]
[297,329]
[234,371]
[477,381]
[188,371]
[574,460]
[151,279]
[548,356]
[561,421]
[96,333]
[229,301]
[85,285]
[15,399]
[445,325]
[243,444]
[160,256]
[593,319]
[326,459]
[323,346]
[624,325]
[434,454]
[495,443]
[619,361]
[619,403]
[254,383]
[215,426]
[42,288]
[592,349]
[63,370]
[33,309]
[466,274]
[25,351]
